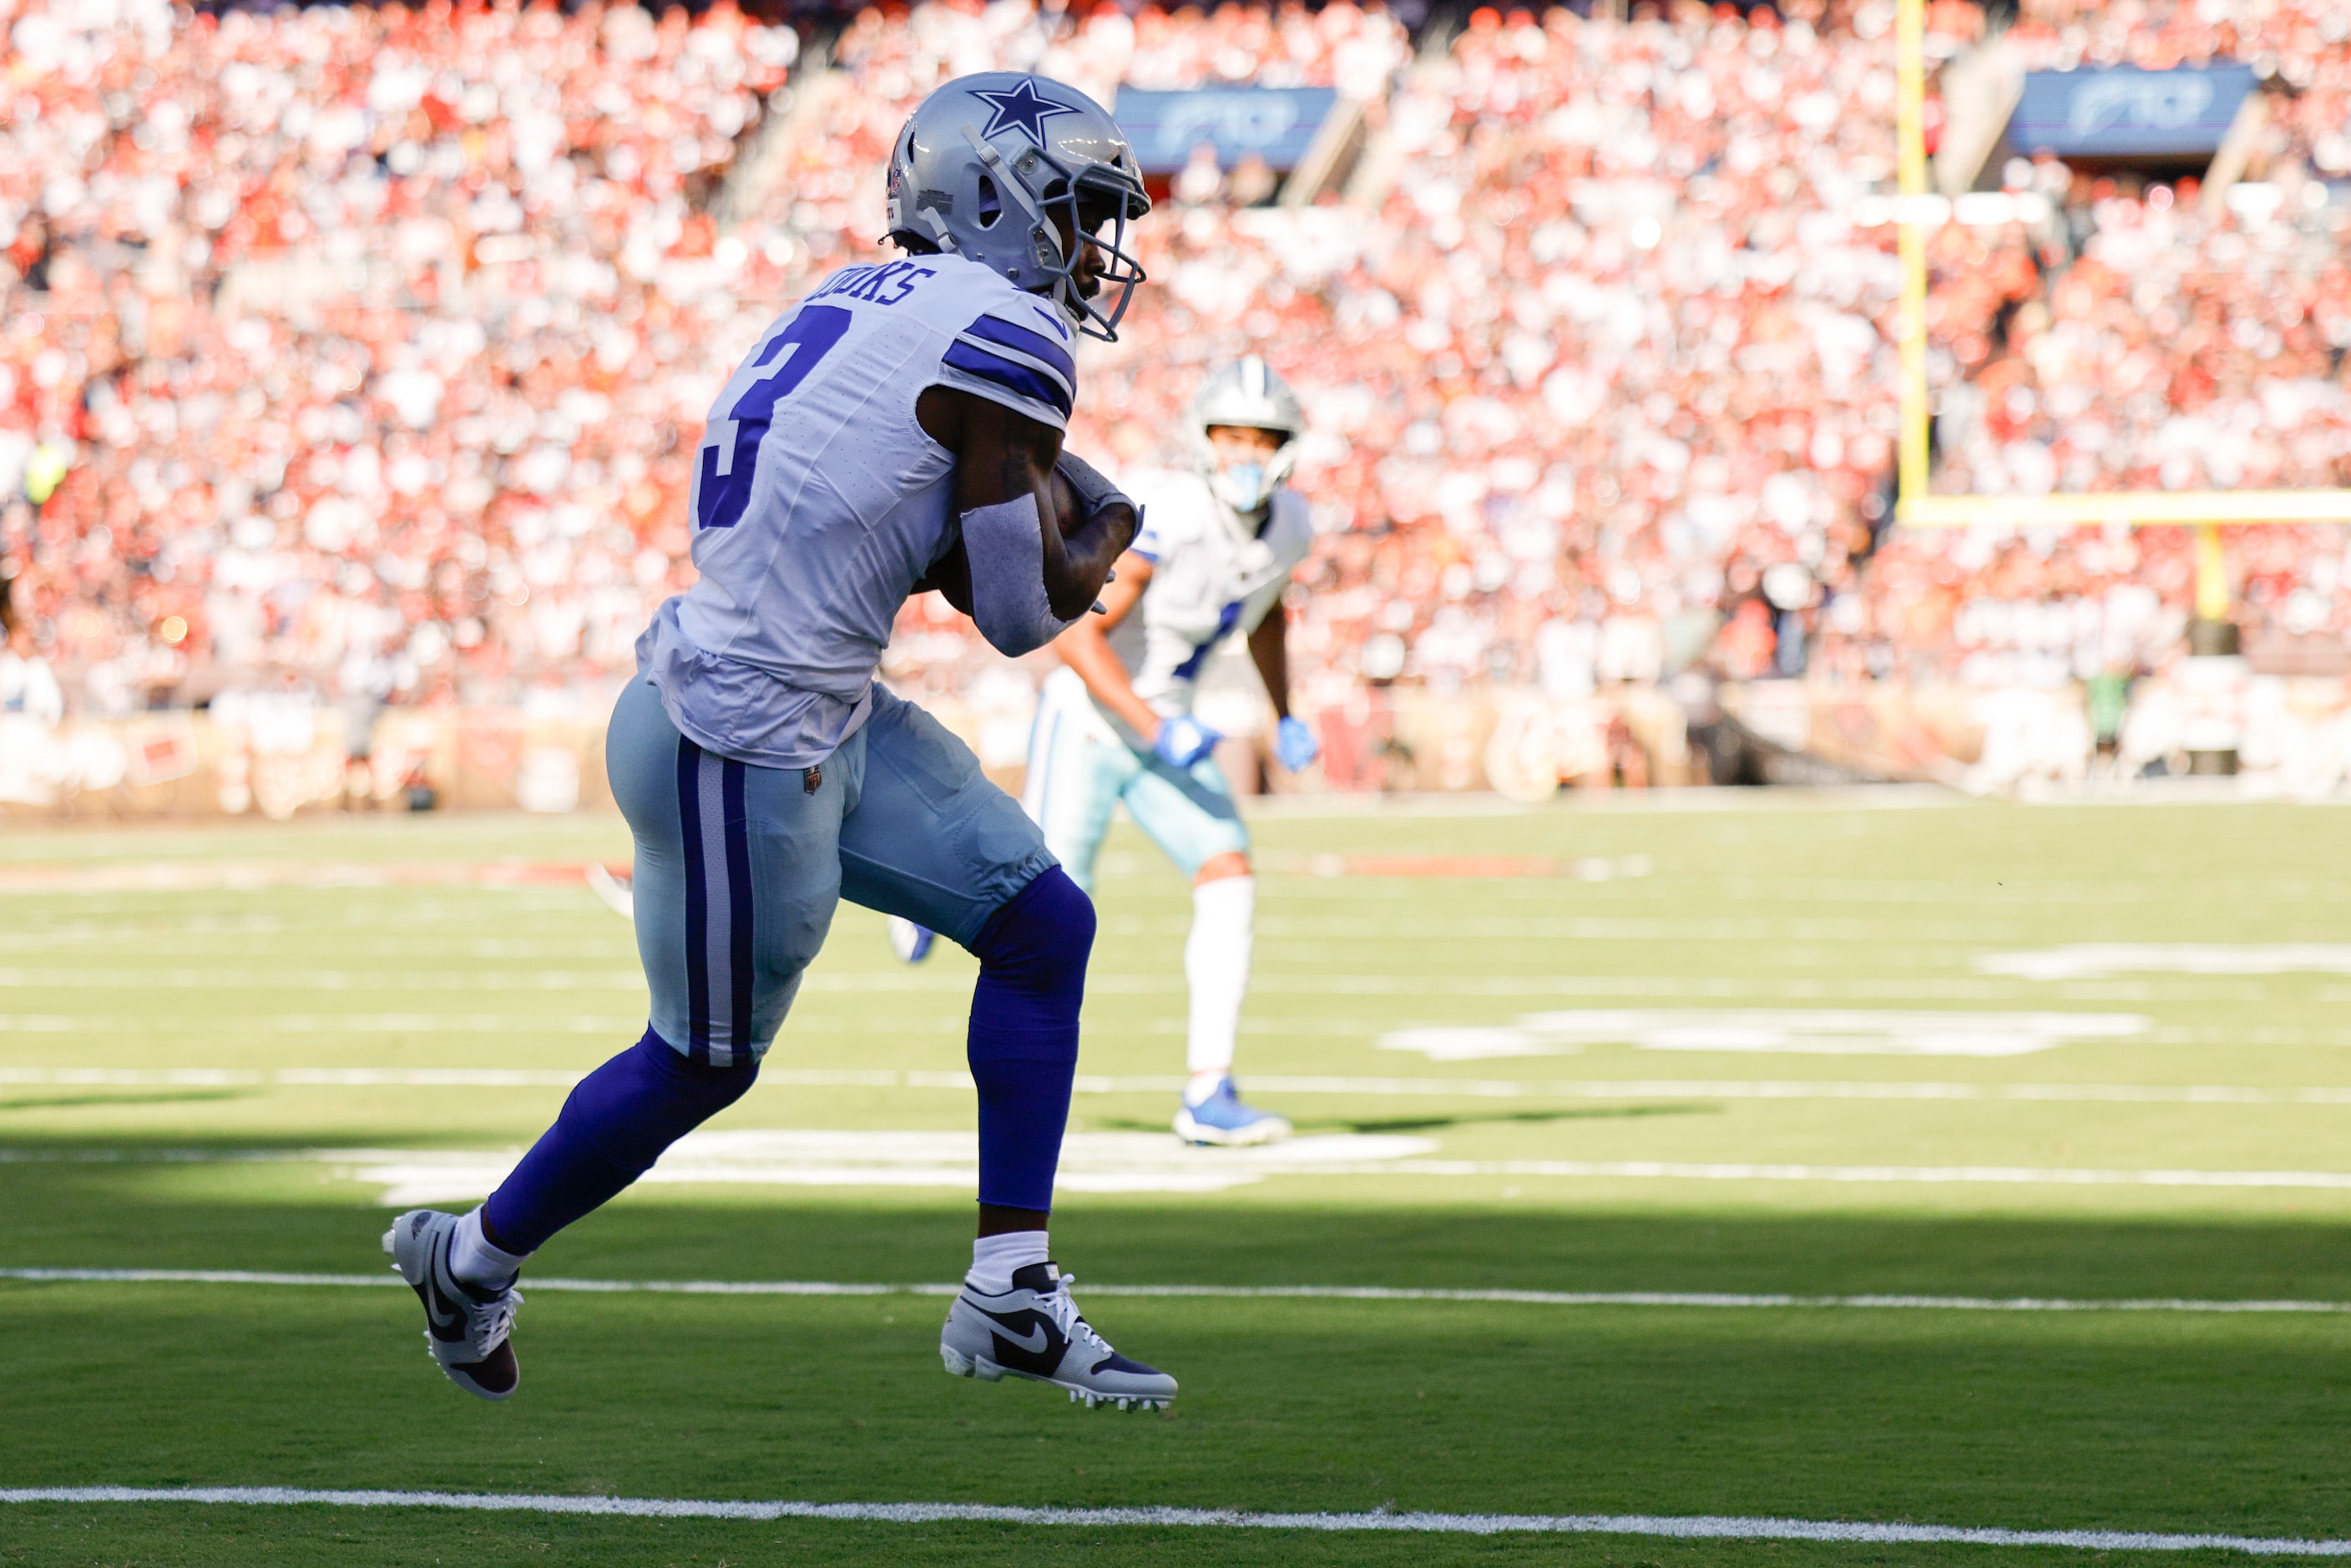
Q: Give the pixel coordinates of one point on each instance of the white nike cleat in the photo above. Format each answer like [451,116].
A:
[1035,1331]
[467,1329]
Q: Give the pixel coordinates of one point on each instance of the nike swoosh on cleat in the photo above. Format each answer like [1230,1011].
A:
[1034,1342]
[448,1317]
[1025,1342]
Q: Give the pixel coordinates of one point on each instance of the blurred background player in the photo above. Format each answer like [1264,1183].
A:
[1217,549]
[1115,724]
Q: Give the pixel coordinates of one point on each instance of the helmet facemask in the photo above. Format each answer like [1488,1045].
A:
[1246,395]
[1056,199]
[1245,484]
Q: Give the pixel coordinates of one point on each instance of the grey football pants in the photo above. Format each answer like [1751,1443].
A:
[738,866]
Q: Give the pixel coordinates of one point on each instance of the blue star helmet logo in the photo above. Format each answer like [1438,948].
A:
[1021,106]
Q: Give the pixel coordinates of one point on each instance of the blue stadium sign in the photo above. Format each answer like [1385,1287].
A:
[2126,113]
[1277,123]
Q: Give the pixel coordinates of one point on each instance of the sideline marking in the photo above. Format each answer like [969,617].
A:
[1998,1176]
[1685,1527]
[1708,1299]
[1271,1084]
[2098,960]
[1830,1032]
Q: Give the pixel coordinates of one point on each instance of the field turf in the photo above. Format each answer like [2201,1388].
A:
[219,981]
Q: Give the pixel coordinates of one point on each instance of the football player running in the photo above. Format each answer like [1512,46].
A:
[1115,724]
[895,431]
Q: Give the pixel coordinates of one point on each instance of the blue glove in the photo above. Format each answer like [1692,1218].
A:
[1295,744]
[1183,740]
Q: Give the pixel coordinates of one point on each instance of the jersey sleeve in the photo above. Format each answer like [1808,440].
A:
[1149,535]
[1170,510]
[1292,535]
[1012,350]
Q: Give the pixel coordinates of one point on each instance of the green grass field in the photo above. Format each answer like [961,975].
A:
[284,1022]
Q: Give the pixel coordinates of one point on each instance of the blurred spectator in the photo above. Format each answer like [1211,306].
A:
[363,352]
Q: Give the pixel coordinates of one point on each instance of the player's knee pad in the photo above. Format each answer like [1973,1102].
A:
[1032,972]
[646,1098]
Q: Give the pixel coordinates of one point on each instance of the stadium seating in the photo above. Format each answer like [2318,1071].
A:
[380,339]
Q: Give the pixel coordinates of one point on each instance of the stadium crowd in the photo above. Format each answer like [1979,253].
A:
[373,343]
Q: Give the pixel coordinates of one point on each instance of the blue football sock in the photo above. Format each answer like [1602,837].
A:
[616,1124]
[1024,1036]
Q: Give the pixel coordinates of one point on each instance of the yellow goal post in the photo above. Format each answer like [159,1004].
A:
[2204,510]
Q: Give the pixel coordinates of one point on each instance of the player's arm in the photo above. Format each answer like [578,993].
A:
[1293,741]
[1085,648]
[1268,647]
[1018,578]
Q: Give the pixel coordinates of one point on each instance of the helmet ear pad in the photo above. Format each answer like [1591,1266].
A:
[1044,235]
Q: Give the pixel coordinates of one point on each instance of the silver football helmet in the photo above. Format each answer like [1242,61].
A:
[1246,393]
[987,164]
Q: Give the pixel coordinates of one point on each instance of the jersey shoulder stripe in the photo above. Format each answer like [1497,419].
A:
[1176,507]
[1000,333]
[997,342]
[1029,381]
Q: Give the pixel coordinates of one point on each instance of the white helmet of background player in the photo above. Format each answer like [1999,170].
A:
[1248,396]
[985,163]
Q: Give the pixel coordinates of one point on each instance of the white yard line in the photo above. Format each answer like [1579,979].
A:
[1269,1083]
[1667,1526]
[948,983]
[302,979]
[1712,1299]
[859,1173]
[1997,1175]
[612,1025]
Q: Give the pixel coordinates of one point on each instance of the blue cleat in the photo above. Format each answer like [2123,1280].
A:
[1223,1119]
[911,942]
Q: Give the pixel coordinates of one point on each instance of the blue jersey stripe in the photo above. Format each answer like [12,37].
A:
[1035,345]
[697,901]
[1009,374]
[718,903]
[739,928]
[1226,618]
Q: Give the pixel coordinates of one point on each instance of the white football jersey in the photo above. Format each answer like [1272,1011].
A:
[818,501]
[1211,578]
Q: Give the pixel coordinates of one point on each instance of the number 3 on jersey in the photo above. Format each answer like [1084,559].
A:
[730,448]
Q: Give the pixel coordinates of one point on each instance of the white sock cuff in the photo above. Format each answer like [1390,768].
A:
[1229,896]
[472,1260]
[1204,1084]
[994,1258]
